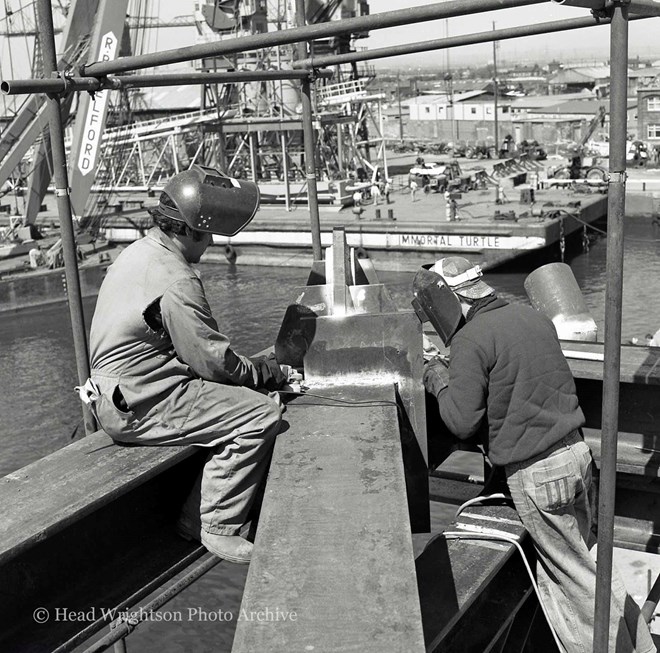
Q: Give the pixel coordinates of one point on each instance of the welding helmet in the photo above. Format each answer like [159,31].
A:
[462,277]
[208,200]
[434,302]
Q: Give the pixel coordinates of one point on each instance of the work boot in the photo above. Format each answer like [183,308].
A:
[232,548]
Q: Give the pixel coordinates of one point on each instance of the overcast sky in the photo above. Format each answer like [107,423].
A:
[592,43]
[565,46]
[587,44]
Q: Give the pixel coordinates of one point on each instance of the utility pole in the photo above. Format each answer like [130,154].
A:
[454,125]
[448,76]
[309,141]
[495,92]
[398,95]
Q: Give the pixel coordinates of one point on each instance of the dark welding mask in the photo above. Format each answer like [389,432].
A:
[208,200]
[434,302]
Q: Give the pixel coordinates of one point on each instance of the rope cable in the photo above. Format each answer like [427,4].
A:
[602,231]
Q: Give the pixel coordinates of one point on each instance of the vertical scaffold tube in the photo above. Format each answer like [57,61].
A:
[308,140]
[61,180]
[496,92]
[616,205]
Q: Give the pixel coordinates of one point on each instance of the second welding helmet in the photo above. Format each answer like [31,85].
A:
[435,302]
[208,200]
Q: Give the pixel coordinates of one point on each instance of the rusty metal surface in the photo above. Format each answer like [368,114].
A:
[334,544]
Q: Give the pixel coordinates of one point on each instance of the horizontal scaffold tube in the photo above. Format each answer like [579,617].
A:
[440,10]
[645,8]
[455,41]
[91,84]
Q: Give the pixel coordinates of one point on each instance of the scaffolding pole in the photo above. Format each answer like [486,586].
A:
[61,180]
[66,84]
[455,41]
[616,206]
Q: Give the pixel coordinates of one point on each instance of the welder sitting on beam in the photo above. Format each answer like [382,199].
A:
[163,374]
[507,372]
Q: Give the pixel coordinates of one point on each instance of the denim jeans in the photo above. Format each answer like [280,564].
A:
[552,493]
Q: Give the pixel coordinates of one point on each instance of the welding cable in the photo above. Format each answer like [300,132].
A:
[347,403]
[338,400]
[486,533]
[511,539]
[480,499]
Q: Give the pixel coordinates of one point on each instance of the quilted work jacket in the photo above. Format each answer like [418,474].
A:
[507,370]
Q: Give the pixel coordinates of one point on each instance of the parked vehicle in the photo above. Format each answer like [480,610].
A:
[481,150]
[459,148]
[637,154]
[441,176]
[533,150]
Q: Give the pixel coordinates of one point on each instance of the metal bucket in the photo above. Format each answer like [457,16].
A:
[553,290]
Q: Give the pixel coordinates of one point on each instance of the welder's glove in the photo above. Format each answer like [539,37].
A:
[436,376]
[270,373]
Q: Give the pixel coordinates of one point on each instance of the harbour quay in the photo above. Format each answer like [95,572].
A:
[409,231]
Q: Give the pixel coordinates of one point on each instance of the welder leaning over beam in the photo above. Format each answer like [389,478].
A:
[163,373]
[508,380]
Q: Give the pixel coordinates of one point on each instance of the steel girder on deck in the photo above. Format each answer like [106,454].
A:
[333,551]
[348,478]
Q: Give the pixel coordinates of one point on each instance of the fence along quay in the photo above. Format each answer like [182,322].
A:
[92,482]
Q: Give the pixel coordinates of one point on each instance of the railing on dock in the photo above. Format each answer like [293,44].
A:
[343,92]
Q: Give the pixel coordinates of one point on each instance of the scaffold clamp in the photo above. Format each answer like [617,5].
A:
[617,177]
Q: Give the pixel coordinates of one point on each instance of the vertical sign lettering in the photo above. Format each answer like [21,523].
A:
[91,136]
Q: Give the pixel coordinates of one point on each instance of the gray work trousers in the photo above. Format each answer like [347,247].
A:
[238,425]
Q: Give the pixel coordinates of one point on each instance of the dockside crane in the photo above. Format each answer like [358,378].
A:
[93,31]
[576,168]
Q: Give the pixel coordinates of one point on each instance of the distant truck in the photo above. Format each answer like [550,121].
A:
[637,153]
[588,167]
[441,176]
